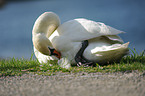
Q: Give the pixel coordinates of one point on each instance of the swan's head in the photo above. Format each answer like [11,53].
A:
[44,46]
[55,53]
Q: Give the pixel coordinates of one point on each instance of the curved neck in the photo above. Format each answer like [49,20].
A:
[44,26]
[46,23]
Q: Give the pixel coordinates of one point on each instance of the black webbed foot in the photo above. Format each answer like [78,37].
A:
[80,59]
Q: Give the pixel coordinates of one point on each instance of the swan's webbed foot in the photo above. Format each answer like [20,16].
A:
[80,59]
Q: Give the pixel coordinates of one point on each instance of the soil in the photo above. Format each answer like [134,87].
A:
[75,84]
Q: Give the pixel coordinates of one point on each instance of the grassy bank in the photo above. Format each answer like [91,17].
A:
[14,66]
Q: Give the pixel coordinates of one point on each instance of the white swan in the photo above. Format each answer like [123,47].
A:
[104,44]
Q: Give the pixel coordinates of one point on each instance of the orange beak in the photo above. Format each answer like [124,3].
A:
[58,54]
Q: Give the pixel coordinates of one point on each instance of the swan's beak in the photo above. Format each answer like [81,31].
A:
[57,54]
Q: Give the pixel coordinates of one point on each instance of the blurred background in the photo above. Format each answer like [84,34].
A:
[18,16]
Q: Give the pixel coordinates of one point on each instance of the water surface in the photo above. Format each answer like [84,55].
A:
[17,19]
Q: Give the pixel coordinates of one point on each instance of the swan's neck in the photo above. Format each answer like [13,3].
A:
[46,23]
[44,26]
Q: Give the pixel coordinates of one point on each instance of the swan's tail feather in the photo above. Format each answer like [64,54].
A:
[112,53]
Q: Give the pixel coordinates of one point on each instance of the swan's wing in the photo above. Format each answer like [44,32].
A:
[83,29]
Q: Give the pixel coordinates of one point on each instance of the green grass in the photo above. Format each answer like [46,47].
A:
[14,66]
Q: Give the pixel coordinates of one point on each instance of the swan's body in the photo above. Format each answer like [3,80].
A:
[104,44]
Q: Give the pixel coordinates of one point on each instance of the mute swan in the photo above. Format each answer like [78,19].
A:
[78,41]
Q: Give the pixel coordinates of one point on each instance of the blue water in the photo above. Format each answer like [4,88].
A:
[17,19]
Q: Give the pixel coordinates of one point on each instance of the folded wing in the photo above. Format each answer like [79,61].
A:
[82,29]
